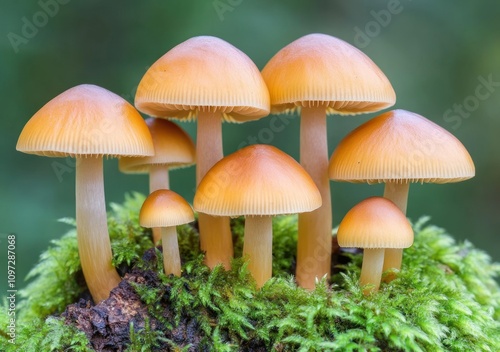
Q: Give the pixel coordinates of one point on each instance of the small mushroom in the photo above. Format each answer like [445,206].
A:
[88,122]
[173,149]
[164,209]
[399,147]
[258,181]
[374,224]
[322,75]
[211,80]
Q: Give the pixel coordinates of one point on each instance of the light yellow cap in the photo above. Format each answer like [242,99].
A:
[203,73]
[400,146]
[256,180]
[86,120]
[173,147]
[321,70]
[164,208]
[375,222]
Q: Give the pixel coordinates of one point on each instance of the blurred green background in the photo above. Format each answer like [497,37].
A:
[436,54]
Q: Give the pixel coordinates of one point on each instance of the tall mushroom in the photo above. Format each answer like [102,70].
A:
[400,147]
[374,224]
[88,122]
[173,149]
[164,210]
[211,80]
[258,181]
[321,75]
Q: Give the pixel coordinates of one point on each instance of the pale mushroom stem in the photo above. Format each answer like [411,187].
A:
[314,248]
[171,256]
[158,179]
[397,192]
[92,228]
[215,234]
[258,246]
[371,270]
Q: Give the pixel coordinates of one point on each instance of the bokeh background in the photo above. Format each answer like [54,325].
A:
[436,54]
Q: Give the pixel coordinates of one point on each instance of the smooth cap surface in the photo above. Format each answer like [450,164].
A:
[256,180]
[375,222]
[321,70]
[173,147]
[400,146]
[86,120]
[164,208]
[203,73]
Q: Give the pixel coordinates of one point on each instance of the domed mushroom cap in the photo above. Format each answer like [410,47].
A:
[164,208]
[256,180]
[321,70]
[204,73]
[173,147]
[400,146]
[375,222]
[86,120]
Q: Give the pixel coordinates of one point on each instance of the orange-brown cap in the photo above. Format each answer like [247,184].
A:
[400,146]
[203,73]
[375,222]
[86,120]
[321,70]
[164,208]
[256,180]
[173,147]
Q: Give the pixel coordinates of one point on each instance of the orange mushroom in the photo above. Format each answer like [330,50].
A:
[88,122]
[319,75]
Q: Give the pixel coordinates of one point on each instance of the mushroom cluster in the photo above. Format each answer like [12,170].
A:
[208,79]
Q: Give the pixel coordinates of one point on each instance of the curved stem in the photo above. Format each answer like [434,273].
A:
[398,193]
[215,234]
[314,248]
[93,238]
[258,247]
[158,179]
[371,270]
[171,256]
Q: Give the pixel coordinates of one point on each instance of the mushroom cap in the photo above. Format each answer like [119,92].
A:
[86,120]
[203,73]
[256,180]
[164,208]
[375,222]
[400,146]
[321,70]
[173,147]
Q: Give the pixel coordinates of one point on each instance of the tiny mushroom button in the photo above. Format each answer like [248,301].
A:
[165,209]
[258,181]
[88,122]
[374,224]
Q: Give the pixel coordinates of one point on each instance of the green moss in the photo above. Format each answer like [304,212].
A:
[445,299]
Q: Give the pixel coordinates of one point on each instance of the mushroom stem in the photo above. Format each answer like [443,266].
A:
[371,270]
[171,256]
[92,228]
[314,248]
[258,246]
[398,194]
[158,179]
[215,234]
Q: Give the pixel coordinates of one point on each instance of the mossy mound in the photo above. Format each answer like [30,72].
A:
[445,299]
